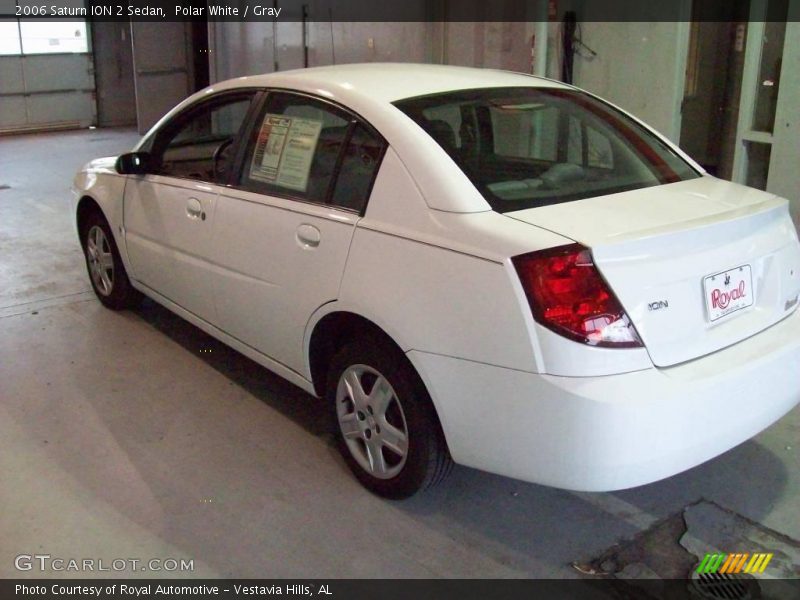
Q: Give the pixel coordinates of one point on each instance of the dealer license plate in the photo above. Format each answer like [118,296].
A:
[728,292]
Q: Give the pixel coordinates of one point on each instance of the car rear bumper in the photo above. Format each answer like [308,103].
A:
[619,431]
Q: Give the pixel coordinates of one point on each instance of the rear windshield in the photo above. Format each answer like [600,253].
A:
[529,147]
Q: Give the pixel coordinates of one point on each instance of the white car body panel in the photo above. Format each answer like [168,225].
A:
[431,264]
[268,280]
[614,432]
[464,252]
[212,330]
[168,243]
[98,180]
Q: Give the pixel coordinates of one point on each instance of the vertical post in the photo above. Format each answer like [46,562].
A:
[304,10]
[213,74]
[679,74]
[752,62]
[783,178]
[540,45]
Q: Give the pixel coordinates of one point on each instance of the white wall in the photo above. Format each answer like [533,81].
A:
[390,42]
[501,45]
[248,48]
[640,67]
[240,48]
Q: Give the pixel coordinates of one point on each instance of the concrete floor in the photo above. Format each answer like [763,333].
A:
[135,435]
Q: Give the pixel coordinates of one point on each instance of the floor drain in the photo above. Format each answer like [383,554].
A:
[3,186]
[724,586]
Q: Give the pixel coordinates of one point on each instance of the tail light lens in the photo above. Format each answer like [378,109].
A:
[568,295]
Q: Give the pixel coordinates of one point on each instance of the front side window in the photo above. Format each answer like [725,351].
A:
[529,147]
[199,145]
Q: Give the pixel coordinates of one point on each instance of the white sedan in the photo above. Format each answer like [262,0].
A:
[469,266]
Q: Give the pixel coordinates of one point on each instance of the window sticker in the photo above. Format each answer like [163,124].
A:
[284,150]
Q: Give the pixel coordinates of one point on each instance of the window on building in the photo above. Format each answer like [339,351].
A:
[24,36]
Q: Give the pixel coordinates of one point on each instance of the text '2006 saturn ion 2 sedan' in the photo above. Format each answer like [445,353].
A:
[469,266]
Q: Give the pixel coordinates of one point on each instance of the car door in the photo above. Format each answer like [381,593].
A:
[284,228]
[169,213]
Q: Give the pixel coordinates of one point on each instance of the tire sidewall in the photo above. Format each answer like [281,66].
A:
[121,291]
[415,403]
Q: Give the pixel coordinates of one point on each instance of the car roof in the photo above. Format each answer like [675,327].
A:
[389,82]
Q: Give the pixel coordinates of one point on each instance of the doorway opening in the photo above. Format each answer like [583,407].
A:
[199,52]
[713,86]
[113,74]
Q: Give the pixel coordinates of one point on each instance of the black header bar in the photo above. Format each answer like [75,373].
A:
[392,10]
[350,589]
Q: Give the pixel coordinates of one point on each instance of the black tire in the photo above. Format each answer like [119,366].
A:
[105,268]
[426,461]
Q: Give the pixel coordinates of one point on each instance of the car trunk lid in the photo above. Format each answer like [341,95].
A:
[698,265]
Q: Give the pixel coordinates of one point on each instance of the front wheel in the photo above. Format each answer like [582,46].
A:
[106,271]
[387,428]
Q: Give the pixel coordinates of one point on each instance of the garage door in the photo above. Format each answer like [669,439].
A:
[46,75]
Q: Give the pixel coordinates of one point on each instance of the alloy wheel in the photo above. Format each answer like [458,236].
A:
[101,260]
[372,421]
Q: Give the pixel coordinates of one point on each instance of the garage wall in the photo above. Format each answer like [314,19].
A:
[501,45]
[162,68]
[238,49]
[639,66]
[251,48]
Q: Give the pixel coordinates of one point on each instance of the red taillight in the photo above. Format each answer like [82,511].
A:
[568,295]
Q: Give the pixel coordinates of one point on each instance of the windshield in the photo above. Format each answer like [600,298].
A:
[529,147]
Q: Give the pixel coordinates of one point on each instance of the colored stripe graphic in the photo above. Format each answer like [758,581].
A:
[758,563]
[719,562]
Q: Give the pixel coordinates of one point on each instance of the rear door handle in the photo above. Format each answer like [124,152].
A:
[308,236]
[195,210]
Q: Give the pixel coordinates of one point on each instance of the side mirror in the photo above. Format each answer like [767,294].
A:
[134,163]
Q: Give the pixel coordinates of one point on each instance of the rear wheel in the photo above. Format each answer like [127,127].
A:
[387,428]
[106,271]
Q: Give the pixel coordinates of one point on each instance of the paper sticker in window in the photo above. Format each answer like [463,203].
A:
[284,151]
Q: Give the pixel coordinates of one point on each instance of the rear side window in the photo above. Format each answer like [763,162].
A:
[529,147]
[311,150]
[295,147]
[359,167]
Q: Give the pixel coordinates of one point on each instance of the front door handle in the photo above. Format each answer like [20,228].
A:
[308,236]
[195,210]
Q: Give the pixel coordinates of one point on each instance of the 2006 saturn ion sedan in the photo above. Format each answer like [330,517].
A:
[469,266]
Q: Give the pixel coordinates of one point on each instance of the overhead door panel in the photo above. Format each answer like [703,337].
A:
[62,107]
[12,111]
[11,78]
[51,72]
